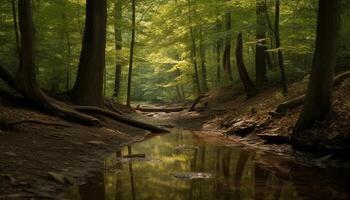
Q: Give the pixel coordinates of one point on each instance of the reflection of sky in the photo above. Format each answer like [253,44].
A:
[234,173]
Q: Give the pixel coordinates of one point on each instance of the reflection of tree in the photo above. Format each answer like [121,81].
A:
[278,190]
[132,182]
[226,163]
[226,170]
[119,167]
[242,161]
[261,176]
[203,159]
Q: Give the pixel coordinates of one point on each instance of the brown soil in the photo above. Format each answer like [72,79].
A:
[227,106]
[30,151]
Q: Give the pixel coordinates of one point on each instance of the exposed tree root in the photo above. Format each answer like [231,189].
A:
[298,101]
[34,94]
[166,110]
[195,102]
[110,105]
[117,117]
[33,121]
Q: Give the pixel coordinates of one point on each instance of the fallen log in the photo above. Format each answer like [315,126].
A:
[298,101]
[195,102]
[166,110]
[122,119]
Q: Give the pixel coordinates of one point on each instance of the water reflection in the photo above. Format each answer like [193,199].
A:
[235,174]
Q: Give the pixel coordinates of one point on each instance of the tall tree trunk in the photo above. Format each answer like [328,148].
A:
[260,58]
[26,78]
[227,51]
[278,46]
[15,24]
[243,74]
[203,62]
[276,33]
[132,46]
[218,46]
[92,58]
[194,51]
[318,99]
[118,45]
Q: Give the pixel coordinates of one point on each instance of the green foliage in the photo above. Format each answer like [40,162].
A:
[163,43]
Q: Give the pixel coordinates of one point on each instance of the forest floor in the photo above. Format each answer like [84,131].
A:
[43,161]
[254,123]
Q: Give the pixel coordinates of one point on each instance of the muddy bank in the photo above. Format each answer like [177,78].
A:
[29,152]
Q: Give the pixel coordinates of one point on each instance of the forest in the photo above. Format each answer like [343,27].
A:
[174,99]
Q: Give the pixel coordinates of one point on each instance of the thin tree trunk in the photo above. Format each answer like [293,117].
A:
[118,45]
[243,74]
[92,59]
[227,51]
[318,99]
[15,25]
[260,58]
[278,46]
[132,46]
[276,35]
[203,61]
[194,51]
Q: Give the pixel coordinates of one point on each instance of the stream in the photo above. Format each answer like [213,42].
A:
[185,165]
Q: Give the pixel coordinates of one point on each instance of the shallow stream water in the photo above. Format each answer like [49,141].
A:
[185,165]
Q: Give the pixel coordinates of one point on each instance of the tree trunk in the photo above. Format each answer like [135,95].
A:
[132,46]
[92,58]
[276,33]
[118,45]
[194,51]
[218,54]
[243,74]
[260,58]
[227,51]
[15,24]
[26,78]
[318,99]
[203,61]
[278,46]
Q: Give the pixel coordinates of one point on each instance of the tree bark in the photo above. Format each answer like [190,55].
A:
[132,46]
[260,58]
[319,96]
[218,55]
[92,58]
[243,74]
[15,24]
[278,46]
[205,87]
[118,45]
[276,34]
[227,51]
[26,78]
[193,51]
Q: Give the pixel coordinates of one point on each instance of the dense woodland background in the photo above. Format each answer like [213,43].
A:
[165,34]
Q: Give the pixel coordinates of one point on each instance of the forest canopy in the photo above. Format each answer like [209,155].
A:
[165,33]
